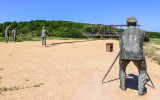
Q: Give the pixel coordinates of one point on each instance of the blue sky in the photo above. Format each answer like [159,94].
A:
[86,11]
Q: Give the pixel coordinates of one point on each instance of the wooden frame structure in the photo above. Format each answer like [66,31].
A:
[105,29]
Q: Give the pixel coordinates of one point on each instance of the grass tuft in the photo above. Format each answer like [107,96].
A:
[3,88]
[27,80]
[38,85]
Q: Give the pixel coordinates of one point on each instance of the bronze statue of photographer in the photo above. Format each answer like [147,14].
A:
[131,49]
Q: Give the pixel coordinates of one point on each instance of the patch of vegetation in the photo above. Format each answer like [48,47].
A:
[3,88]
[20,39]
[157,43]
[153,41]
[27,80]
[150,51]
[17,88]
[38,85]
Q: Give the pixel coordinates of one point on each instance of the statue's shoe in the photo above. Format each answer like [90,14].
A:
[142,93]
[123,88]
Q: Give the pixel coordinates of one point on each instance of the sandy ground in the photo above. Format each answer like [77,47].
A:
[68,70]
[158,52]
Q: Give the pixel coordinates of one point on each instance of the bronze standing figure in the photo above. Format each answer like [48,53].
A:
[131,49]
[7,33]
[44,32]
[14,33]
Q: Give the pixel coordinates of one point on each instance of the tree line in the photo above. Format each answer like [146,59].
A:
[58,28]
[153,34]
[55,28]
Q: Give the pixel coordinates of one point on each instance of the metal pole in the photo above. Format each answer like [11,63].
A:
[151,80]
[110,67]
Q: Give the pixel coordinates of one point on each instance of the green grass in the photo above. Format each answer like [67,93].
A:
[29,38]
[157,43]
[20,39]
[38,85]
[152,41]
[3,88]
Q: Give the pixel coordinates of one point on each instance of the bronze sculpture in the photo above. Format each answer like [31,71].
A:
[44,32]
[14,33]
[6,33]
[131,49]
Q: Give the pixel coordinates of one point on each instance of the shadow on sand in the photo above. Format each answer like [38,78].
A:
[49,45]
[131,81]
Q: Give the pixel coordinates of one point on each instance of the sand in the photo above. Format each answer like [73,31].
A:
[158,52]
[68,70]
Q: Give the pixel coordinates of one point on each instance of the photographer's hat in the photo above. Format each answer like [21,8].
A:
[131,19]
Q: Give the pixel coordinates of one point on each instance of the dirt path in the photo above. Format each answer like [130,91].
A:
[67,70]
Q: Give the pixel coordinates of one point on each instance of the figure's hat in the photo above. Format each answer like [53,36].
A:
[131,19]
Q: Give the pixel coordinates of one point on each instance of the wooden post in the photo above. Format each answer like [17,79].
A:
[109,47]
[105,32]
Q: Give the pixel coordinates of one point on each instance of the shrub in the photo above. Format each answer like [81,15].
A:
[73,33]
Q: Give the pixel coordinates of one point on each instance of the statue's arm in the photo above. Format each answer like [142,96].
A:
[146,38]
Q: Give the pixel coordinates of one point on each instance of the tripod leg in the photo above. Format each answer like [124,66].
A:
[151,80]
[110,67]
